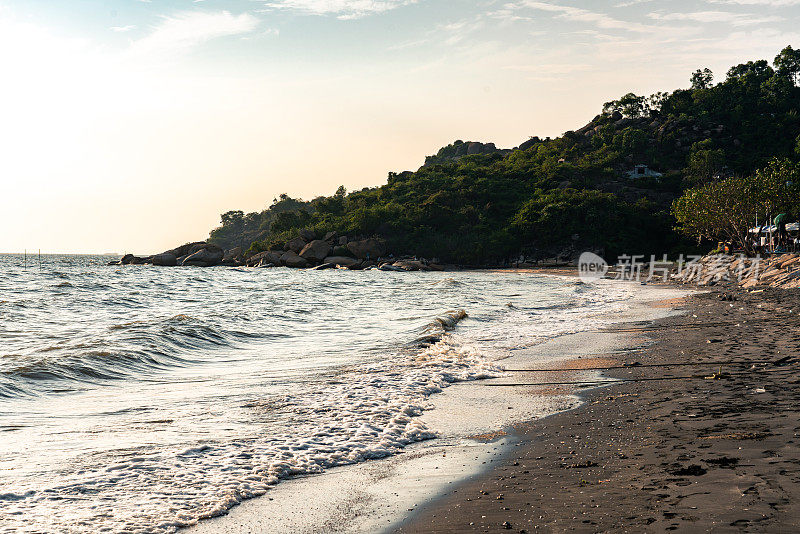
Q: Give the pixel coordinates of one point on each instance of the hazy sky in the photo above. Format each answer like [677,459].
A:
[130,125]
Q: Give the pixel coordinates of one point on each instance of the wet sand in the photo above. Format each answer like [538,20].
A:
[705,448]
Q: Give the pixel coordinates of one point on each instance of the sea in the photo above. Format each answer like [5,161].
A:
[143,399]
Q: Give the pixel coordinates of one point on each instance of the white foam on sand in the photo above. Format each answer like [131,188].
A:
[372,496]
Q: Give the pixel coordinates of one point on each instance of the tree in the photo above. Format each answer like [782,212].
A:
[721,210]
[705,164]
[776,188]
[787,64]
[630,105]
[701,79]
[725,209]
[760,69]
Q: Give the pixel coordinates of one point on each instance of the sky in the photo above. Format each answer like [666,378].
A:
[131,125]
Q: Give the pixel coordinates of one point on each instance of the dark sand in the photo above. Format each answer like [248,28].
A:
[692,455]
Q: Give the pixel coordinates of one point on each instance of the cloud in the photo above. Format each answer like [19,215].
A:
[770,3]
[342,9]
[735,19]
[576,14]
[180,33]
[123,29]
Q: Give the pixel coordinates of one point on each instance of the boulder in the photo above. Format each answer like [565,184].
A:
[165,259]
[126,259]
[269,256]
[232,254]
[316,251]
[295,245]
[208,256]
[341,260]
[411,265]
[330,237]
[343,241]
[390,267]
[340,251]
[139,261]
[188,249]
[308,235]
[292,259]
[324,267]
[366,249]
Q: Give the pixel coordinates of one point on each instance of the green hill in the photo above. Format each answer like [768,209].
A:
[476,204]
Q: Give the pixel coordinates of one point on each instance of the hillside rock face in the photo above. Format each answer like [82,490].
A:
[460,149]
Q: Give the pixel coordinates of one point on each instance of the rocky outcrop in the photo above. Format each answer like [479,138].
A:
[460,149]
[367,248]
[343,261]
[262,259]
[315,251]
[208,256]
[295,245]
[165,259]
[292,259]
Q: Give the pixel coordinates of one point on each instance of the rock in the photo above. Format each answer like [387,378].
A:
[616,116]
[341,260]
[269,256]
[343,241]
[126,259]
[409,265]
[330,237]
[207,257]
[316,251]
[165,259]
[307,235]
[188,249]
[139,261]
[295,245]
[232,254]
[390,267]
[292,259]
[340,251]
[324,267]
[366,249]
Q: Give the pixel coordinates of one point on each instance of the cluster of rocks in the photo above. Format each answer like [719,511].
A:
[780,271]
[306,250]
[461,149]
[302,252]
[200,254]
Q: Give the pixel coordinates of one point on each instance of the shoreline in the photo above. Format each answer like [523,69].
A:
[711,452]
[478,429]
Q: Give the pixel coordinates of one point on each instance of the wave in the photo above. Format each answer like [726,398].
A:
[371,413]
[435,329]
[128,350]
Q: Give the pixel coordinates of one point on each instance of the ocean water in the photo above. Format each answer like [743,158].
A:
[142,399]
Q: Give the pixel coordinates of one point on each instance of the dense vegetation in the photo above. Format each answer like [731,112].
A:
[473,203]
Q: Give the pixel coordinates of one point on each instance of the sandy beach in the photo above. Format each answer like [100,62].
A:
[710,447]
